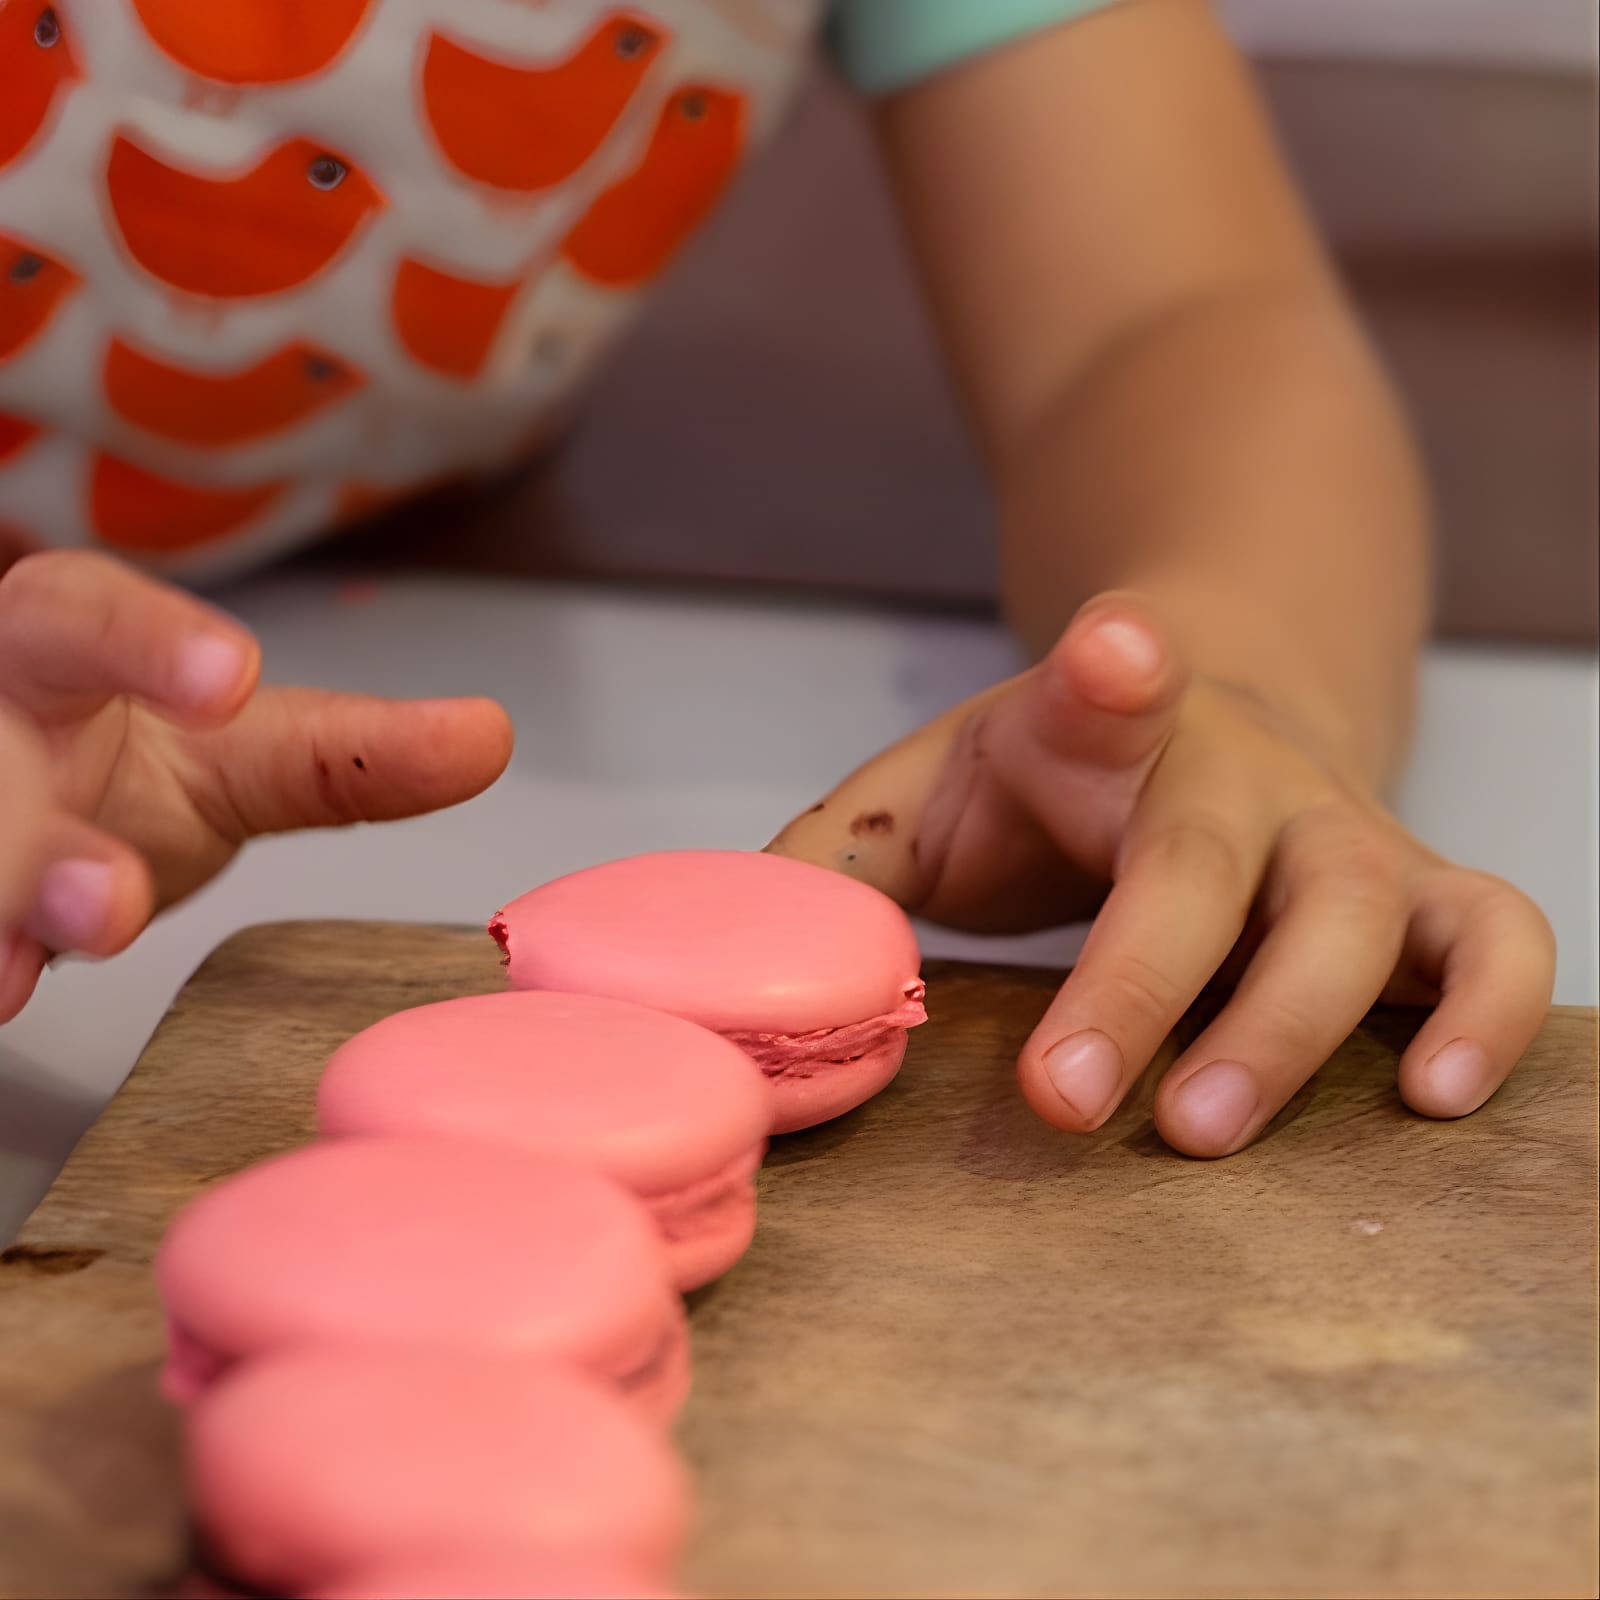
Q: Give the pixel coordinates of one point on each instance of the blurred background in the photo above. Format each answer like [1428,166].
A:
[784,417]
[765,549]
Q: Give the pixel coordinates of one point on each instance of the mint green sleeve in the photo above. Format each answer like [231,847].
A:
[884,45]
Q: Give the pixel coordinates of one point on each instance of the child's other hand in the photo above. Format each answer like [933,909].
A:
[1215,827]
[162,754]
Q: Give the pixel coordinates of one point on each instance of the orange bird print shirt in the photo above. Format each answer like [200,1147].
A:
[266,261]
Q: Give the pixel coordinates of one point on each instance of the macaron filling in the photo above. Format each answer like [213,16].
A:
[811,974]
[192,1365]
[660,1382]
[710,1203]
[659,1385]
[802,1055]
[707,1225]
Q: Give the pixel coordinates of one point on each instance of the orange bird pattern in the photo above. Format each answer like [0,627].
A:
[132,509]
[36,65]
[246,42]
[32,287]
[262,231]
[203,298]
[637,225]
[212,410]
[448,323]
[527,128]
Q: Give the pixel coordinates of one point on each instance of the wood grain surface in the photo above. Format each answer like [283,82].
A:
[966,1355]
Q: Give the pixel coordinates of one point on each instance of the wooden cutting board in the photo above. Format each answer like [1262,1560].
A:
[967,1355]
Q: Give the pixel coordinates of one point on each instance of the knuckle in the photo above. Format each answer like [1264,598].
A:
[56,588]
[1522,915]
[49,572]
[1297,1034]
[1476,890]
[33,580]
[1484,895]
[1138,990]
[1506,911]
[1369,881]
[1203,846]
[1341,853]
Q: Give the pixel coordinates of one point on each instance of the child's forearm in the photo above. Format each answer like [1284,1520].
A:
[1243,463]
[1164,379]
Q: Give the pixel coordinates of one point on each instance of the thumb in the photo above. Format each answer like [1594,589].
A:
[1076,742]
[1107,694]
[975,817]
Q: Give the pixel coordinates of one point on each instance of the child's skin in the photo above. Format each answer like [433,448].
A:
[1213,532]
[163,753]
[26,805]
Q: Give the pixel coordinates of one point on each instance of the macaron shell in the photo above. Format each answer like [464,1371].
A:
[837,1087]
[652,1100]
[661,1385]
[708,1226]
[729,939]
[417,1241]
[311,1465]
[533,1575]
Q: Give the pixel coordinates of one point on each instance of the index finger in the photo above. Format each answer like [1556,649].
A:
[1183,892]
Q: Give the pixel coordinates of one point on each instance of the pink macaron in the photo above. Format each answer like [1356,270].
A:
[667,1109]
[306,1467]
[486,1575]
[814,975]
[395,1242]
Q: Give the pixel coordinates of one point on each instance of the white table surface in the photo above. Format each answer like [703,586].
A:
[647,720]
[1542,35]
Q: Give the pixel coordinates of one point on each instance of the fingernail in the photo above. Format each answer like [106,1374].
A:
[73,904]
[1138,650]
[207,671]
[1218,1102]
[1460,1076]
[1086,1071]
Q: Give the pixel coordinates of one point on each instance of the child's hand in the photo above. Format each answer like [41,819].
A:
[1211,821]
[24,806]
[163,755]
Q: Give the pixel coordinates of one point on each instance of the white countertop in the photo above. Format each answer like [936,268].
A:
[1539,35]
[647,720]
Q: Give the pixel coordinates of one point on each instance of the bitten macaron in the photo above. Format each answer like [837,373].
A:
[668,1109]
[401,1242]
[814,975]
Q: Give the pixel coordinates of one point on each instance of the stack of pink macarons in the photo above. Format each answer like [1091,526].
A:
[436,1352]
